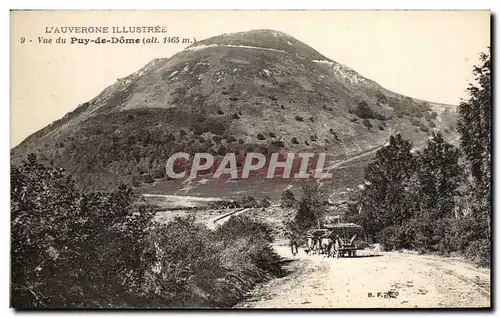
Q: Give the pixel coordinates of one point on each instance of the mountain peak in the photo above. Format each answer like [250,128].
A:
[263,39]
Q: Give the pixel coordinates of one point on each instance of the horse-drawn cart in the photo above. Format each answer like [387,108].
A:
[339,239]
[349,235]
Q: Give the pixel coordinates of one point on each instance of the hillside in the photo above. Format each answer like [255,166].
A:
[260,91]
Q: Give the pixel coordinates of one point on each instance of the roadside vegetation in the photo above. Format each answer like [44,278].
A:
[103,249]
[437,199]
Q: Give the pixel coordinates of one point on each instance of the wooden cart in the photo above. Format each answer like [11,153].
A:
[349,234]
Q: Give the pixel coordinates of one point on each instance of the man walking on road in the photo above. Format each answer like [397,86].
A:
[294,244]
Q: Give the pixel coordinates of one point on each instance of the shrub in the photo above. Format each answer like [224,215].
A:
[241,141]
[236,116]
[233,99]
[227,263]
[295,141]
[197,131]
[299,118]
[159,173]
[287,199]
[381,98]
[314,138]
[381,127]
[429,116]
[201,140]
[147,178]
[272,135]
[170,137]
[311,119]
[216,139]
[220,112]
[392,237]
[364,111]
[136,181]
[432,124]
[336,137]
[222,151]
[248,202]
[265,202]
[261,136]
[88,244]
[479,252]
[177,276]
[278,143]
[415,122]
[367,123]
[224,204]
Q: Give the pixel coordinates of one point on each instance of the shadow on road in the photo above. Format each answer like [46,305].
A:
[285,269]
[357,256]
[372,255]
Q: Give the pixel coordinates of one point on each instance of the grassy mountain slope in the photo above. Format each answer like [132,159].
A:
[248,91]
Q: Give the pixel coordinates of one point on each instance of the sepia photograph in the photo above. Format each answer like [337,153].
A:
[250,159]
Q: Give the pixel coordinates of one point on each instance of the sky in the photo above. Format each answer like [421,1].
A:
[423,54]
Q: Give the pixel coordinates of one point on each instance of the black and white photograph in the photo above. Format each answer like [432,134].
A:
[250,159]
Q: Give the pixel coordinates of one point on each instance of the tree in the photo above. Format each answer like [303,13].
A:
[474,126]
[384,197]
[310,208]
[436,183]
[439,177]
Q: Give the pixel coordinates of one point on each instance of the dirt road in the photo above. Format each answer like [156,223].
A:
[411,280]
[221,219]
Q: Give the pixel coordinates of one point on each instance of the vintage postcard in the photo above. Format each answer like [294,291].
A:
[250,159]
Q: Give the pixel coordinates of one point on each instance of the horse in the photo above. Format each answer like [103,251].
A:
[310,245]
[336,247]
[317,246]
[326,245]
[313,245]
